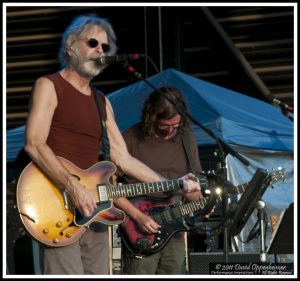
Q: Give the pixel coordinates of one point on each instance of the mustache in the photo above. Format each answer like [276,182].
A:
[93,58]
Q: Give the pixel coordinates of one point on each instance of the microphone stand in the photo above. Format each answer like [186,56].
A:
[260,205]
[222,145]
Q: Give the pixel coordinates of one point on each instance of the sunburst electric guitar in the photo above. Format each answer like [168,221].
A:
[48,214]
[172,217]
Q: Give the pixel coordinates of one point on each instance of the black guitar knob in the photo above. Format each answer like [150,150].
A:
[143,243]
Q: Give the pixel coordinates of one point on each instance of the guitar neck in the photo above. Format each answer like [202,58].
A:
[131,190]
[188,208]
[191,207]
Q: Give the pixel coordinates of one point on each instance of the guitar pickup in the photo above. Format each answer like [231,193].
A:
[66,203]
[102,193]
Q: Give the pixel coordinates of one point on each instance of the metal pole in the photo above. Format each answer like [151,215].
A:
[260,205]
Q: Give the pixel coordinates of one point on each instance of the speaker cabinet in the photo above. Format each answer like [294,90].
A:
[199,262]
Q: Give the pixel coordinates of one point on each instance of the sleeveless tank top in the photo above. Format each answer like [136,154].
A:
[75,130]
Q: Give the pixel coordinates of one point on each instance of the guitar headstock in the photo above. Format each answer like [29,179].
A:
[277,175]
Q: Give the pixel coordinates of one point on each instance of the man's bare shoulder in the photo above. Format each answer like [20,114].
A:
[42,81]
[44,92]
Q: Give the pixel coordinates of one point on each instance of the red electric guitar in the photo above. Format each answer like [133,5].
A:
[171,217]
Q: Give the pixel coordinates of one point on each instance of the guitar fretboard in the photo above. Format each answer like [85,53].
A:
[200,204]
[131,190]
[176,213]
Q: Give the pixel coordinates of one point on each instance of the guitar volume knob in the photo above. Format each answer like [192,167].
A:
[55,240]
[59,224]
[45,230]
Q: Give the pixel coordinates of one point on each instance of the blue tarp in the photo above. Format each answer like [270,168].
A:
[235,118]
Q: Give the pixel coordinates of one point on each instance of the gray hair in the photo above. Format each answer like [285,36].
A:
[74,30]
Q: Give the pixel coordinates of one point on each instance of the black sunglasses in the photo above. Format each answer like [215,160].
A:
[93,43]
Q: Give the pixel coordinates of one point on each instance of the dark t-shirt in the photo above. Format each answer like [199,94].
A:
[167,157]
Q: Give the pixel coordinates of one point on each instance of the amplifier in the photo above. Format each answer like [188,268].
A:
[199,262]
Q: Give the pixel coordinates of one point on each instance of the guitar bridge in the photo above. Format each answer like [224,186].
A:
[102,192]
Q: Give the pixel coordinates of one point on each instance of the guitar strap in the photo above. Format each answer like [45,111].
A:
[187,150]
[105,140]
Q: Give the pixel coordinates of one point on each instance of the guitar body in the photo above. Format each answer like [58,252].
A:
[160,210]
[47,212]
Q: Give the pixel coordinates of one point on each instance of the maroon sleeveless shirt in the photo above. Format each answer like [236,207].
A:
[75,130]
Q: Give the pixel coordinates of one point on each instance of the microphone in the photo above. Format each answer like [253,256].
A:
[283,105]
[118,58]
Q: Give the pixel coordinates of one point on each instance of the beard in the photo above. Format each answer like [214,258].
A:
[85,66]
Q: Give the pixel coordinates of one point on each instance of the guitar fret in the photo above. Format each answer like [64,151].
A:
[201,203]
[123,191]
[168,185]
[151,187]
[113,194]
[139,192]
[117,191]
[194,205]
[155,187]
[129,190]
[173,185]
[177,184]
[186,210]
[183,210]
[188,207]
[135,190]
[159,186]
[139,189]
[108,189]
[142,188]
[164,186]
